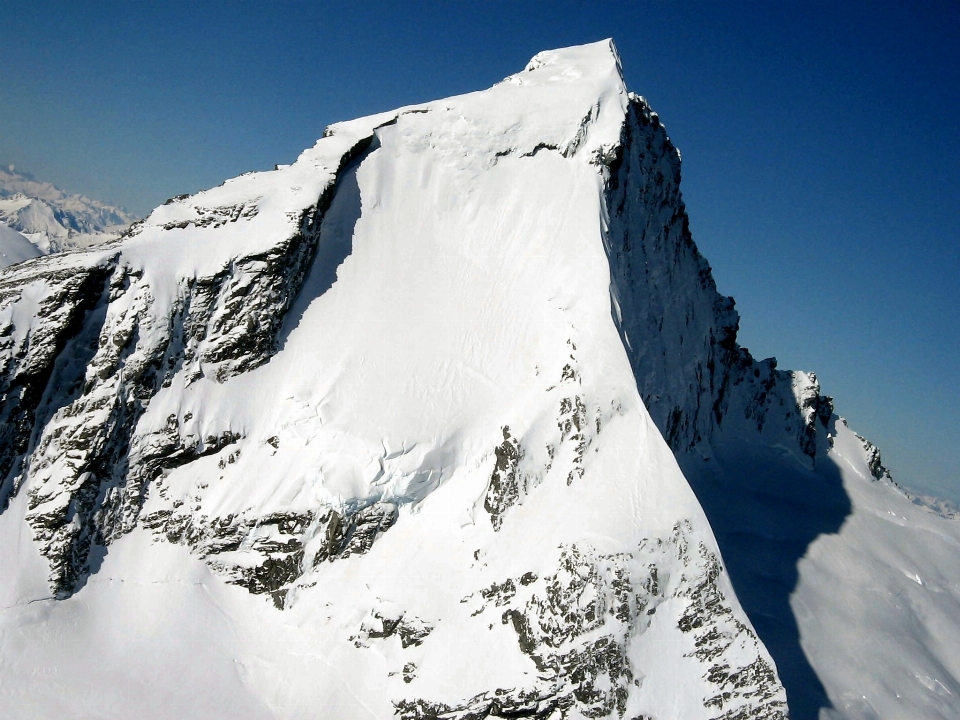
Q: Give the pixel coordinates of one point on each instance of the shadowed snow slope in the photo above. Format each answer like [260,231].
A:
[367,436]
[851,586]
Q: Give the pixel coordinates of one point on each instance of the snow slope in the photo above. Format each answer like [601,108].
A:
[14,247]
[52,219]
[360,437]
[853,588]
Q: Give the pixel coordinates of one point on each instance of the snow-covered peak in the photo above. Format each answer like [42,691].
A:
[52,219]
[14,182]
[378,433]
[381,395]
[565,100]
[572,103]
[14,247]
[599,60]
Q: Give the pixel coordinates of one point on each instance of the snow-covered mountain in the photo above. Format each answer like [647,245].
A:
[52,219]
[14,247]
[398,430]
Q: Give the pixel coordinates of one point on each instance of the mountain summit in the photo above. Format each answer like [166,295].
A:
[398,430]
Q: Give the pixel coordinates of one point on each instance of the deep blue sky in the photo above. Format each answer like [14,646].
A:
[820,146]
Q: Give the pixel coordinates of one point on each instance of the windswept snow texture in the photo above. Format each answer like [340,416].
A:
[54,220]
[359,438]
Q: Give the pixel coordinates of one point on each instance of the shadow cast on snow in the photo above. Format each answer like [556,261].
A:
[335,244]
[766,509]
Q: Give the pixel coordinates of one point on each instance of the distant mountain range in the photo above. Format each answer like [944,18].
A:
[52,219]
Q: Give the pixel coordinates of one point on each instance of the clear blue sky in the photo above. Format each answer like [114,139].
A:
[820,144]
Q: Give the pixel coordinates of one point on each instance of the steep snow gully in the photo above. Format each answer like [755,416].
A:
[409,428]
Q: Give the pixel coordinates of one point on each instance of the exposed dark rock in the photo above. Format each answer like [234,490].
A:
[506,484]
[29,361]
[572,424]
[577,623]
[76,384]
[874,462]
[500,593]
[681,336]
[355,534]
[411,630]
[278,542]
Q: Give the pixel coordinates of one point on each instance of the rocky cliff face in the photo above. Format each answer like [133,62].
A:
[80,374]
[681,334]
[825,551]
[385,396]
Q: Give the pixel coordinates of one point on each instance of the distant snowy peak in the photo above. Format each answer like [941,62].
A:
[52,219]
[15,248]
